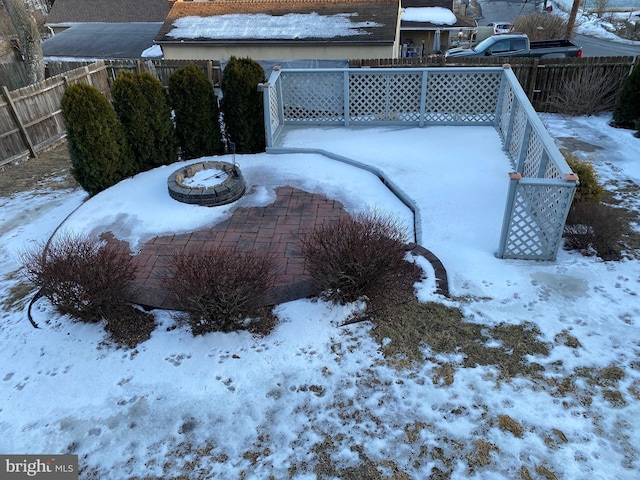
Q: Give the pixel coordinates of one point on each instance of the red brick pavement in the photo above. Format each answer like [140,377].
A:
[275,228]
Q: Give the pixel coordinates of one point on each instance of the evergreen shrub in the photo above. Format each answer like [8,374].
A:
[242,104]
[99,152]
[144,112]
[627,109]
[355,256]
[589,188]
[592,227]
[196,113]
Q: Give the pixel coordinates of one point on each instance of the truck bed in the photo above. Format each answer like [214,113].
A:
[552,44]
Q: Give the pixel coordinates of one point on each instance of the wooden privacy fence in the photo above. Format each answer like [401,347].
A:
[540,78]
[31,118]
[13,75]
[161,69]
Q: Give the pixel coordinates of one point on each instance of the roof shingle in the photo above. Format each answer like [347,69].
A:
[108,11]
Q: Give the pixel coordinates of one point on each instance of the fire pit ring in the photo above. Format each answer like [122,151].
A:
[207,183]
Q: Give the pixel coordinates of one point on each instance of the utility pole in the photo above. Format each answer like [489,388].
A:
[572,18]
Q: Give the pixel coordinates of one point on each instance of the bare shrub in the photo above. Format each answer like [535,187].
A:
[82,276]
[541,26]
[600,7]
[628,29]
[590,90]
[594,228]
[220,288]
[130,326]
[352,256]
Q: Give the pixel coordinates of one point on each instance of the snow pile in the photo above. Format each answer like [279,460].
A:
[152,52]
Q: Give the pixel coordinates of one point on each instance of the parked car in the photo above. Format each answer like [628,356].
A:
[500,27]
[493,28]
[518,45]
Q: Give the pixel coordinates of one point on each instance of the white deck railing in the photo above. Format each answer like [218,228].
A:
[542,184]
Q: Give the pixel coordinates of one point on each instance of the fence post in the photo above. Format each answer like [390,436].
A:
[345,88]
[14,112]
[522,151]
[514,179]
[266,102]
[423,97]
[533,76]
[210,72]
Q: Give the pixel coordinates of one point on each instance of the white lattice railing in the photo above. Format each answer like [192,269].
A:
[542,185]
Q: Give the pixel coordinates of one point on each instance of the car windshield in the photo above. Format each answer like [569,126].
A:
[483,45]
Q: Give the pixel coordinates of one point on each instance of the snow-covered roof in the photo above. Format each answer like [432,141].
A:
[263,26]
[281,21]
[434,15]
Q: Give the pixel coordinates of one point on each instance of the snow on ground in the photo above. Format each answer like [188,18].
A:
[315,396]
[592,25]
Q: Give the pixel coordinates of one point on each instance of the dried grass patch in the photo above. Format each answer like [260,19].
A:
[480,456]
[555,439]
[17,295]
[412,326]
[508,424]
[546,473]
[51,170]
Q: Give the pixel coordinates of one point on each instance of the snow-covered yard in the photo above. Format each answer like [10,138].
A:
[315,399]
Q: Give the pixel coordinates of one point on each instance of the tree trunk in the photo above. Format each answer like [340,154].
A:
[29,38]
[572,18]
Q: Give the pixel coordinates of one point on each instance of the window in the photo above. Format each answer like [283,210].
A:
[518,44]
[500,46]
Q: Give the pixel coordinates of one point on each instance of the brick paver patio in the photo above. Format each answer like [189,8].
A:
[276,228]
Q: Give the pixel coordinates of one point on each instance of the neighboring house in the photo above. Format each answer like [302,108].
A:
[281,29]
[427,26]
[66,13]
[103,28]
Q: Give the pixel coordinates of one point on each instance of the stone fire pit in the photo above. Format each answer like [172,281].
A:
[207,183]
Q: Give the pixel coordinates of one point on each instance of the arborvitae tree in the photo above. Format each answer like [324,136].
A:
[627,109]
[99,152]
[196,113]
[159,115]
[242,104]
[143,109]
